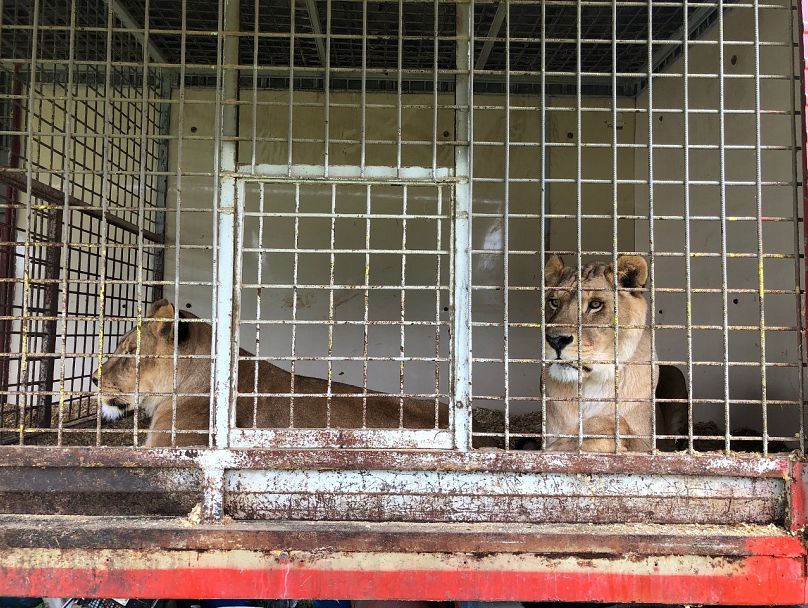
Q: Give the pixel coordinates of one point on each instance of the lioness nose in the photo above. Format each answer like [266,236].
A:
[94,379]
[559,342]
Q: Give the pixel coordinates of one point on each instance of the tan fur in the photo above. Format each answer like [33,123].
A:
[193,415]
[193,377]
[637,378]
[598,425]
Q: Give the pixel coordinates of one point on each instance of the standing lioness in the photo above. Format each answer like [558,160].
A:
[153,380]
[595,367]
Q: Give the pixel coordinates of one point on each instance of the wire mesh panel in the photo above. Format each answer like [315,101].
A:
[408,172]
[85,191]
[688,158]
[345,294]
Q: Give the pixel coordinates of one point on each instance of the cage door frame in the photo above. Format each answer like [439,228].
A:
[374,438]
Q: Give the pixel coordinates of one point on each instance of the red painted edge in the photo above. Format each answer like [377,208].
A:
[751,581]
[798,504]
[776,546]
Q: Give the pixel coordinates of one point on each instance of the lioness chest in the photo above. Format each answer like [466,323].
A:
[599,402]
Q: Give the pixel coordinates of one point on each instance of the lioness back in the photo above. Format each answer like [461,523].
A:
[162,372]
[312,408]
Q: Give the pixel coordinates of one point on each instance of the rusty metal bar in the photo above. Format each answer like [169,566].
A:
[53,272]
[464,163]
[76,532]
[8,234]
[404,460]
[802,43]
[229,203]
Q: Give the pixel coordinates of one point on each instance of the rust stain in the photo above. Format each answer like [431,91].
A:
[304,300]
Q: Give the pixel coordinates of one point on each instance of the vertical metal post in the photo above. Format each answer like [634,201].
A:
[53,271]
[616,298]
[164,110]
[759,225]
[506,252]
[651,227]
[544,232]
[68,167]
[797,62]
[461,337]
[803,43]
[686,201]
[226,303]
[722,195]
[579,214]
[8,232]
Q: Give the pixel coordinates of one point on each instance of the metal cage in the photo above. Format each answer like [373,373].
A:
[351,208]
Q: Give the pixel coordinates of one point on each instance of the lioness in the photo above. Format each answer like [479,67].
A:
[637,378]
[193,378]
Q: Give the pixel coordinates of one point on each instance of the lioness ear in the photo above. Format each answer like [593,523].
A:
[162,309]
[552,269]
[632,271]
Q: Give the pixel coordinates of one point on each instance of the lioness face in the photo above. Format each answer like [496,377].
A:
[121,378]
[597,318]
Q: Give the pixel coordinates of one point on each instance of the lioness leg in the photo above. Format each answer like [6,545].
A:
[599,425]
[192,415]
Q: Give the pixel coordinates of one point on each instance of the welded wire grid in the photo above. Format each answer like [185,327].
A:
[663,129]
[84,249]
[698,172]
[349,284]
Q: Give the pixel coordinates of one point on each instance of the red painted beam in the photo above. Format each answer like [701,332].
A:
[665,580]
[769,581]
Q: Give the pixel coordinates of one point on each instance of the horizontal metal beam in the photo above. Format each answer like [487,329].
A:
[377,491]
[401,460]
[56,198]
[348,173]
[175,533]
[475,497]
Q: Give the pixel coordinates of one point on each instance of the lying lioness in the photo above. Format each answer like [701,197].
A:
[637,377]
[193,384]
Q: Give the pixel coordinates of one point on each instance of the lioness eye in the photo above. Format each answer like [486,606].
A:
[553,302]
[595,305]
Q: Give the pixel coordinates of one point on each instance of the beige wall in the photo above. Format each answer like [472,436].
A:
[741,236]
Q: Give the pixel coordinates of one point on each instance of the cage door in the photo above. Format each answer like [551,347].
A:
[344,293]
